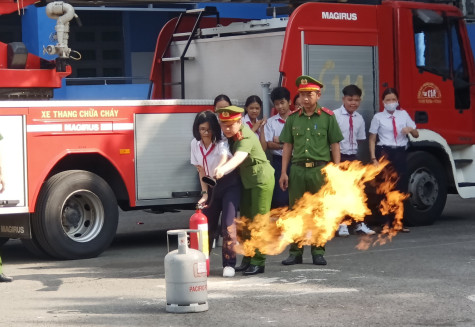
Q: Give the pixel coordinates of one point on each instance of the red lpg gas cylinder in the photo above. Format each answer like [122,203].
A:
[200,222]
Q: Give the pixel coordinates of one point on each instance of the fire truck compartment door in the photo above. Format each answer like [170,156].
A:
[13,195]
[337,66]
[163,155]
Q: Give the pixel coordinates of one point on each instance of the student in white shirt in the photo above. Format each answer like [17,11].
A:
[352,127]
[297,103]
[221,101]
[209,151]
[280,97]
[253,107]
[391,127]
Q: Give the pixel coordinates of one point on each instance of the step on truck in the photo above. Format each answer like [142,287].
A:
[67,166]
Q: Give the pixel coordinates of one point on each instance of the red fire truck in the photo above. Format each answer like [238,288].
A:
[68,165]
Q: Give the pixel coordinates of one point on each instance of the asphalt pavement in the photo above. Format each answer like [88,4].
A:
[422,278]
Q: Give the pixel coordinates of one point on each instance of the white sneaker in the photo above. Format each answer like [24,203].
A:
[363,229]
[228,271]
[343,231]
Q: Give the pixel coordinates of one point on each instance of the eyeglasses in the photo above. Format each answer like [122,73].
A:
[205,130]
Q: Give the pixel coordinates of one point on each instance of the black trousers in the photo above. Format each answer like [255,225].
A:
[279,198]
[397,157]
[224,197]
[348,157]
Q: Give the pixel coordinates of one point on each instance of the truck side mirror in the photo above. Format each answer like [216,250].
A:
[429,16]
[421,117]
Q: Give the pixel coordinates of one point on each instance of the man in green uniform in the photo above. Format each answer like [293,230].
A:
[309,134]
[257,175]
[3,278]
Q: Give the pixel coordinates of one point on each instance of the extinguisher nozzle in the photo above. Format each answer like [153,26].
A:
[209,180]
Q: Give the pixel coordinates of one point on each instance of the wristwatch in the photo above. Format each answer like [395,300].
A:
[204,192]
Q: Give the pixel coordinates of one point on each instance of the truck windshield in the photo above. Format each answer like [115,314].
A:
[439,50]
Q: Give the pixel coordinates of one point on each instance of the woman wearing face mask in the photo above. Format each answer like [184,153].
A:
[392,127]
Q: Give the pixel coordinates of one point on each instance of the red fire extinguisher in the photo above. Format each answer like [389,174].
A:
[200,222]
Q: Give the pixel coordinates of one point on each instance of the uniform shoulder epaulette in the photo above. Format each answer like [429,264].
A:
[328,111]
[296,112]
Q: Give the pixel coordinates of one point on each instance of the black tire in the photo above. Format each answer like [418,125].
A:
[3,240]
[427,188]
[76,215]
[34,248]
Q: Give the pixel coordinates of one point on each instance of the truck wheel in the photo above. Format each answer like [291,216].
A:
[76,215]
[428,189]
[3,240]
[34,248]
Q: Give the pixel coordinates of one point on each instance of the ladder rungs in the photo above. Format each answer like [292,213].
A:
[177,58]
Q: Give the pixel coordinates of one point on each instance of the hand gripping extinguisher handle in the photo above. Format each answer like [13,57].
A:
[201,206]
[182,238]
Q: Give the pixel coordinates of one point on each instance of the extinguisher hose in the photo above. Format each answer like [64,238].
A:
[211,182]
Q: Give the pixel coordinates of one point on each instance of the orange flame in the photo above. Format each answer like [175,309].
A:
[315,218]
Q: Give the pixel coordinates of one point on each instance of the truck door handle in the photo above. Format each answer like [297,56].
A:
[421,117]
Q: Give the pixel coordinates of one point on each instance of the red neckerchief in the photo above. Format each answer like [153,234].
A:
[351,130]
[280,120]
[258,132]
[238,136]
[394,129]
[205,162]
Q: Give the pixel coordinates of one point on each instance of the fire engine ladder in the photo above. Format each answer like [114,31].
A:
[198,14]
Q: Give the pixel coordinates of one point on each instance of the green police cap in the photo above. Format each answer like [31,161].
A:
[308,83]
[230,113]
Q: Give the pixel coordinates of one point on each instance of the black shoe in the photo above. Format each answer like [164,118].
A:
[292,260]
[319,260]
[244,265]
[253,270]
[5,279]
